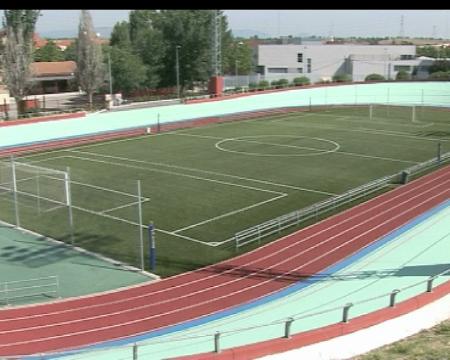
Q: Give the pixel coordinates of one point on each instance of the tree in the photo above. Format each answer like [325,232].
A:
[90,67]
[49,52]
[237,56]
[120,35]
[128,70]
[70,54]
[439,65]
[18,52]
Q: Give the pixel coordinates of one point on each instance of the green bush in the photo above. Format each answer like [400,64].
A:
[300,81]
[274,83]
[283,82]
[440,75]
[252,85]
[403,75]
[263,84]
[374,77]
[342,78]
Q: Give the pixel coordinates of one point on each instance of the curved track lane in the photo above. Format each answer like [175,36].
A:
[83,321]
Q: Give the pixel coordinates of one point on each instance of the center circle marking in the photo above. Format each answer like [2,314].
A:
[335,148]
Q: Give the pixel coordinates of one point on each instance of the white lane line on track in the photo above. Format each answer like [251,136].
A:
[341,245]
[345,220]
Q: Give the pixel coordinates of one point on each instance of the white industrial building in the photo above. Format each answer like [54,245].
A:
[322,62]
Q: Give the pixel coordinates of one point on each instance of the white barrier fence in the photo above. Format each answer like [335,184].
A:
[270,227]
[14,291]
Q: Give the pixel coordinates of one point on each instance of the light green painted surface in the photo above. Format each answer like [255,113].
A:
[24,256]
[429,93]
[411,258]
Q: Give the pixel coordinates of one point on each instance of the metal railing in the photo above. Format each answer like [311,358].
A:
[286,331]
[276,225]
[13,291]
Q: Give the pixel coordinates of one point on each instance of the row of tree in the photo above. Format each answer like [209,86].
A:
[144,49]
[141,53]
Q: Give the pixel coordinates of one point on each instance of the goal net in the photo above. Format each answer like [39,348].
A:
[34,186]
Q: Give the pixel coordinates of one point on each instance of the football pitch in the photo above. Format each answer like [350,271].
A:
[199,186]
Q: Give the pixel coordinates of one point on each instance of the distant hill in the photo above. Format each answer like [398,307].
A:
[105,32]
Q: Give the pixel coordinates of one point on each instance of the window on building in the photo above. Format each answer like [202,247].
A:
[299,57]
[308,61]
[406,57]
[402,68]
[300,70]
[277,70]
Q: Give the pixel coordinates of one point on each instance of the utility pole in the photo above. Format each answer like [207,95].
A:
[216,43]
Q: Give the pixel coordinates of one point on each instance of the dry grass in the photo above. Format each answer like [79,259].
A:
[431,344]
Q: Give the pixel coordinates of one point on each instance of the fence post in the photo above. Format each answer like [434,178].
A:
[141,237]
[16,201]
[217,342]
[392,297]
[345,312]
[430,284]
[439,152]
[287,327]
[6,293]
[69,203]
[135,353]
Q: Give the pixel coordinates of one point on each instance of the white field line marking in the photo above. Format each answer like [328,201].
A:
[366,131]
[193,169]
[231,213]
[163,171]
[280,195]
[343,221]
[123,206]
[212,244]
[266,182]
[322,152]
[217,286]
[318,151]
[361,119]
[136,224]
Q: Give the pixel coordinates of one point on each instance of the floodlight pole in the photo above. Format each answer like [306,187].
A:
[177,68]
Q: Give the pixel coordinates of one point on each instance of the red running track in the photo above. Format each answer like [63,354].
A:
[83,321]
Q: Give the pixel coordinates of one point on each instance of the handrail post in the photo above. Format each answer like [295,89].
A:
[392,297]
[217,342]
[287,327]
[345,312]
[430,284]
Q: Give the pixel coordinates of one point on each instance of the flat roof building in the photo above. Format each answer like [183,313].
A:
[322,62]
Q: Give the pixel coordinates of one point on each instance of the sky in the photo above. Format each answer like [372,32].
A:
[337,23]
